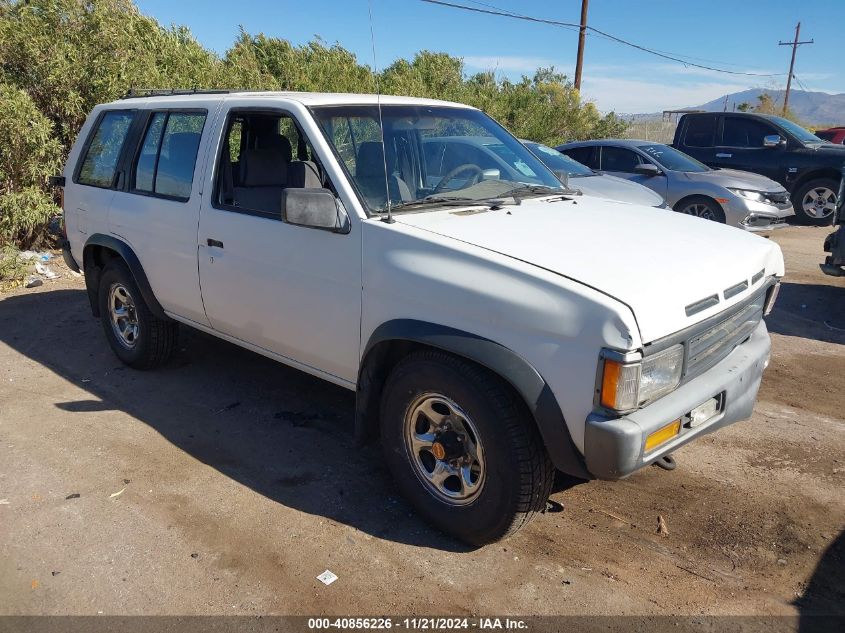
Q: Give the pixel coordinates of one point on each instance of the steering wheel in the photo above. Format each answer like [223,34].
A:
[476,175]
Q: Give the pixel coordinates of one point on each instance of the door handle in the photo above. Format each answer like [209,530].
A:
[724,155]
[216,243]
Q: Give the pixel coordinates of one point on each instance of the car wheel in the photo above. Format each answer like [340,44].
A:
[135,334]
[701,207]
[815,201]
[463,448]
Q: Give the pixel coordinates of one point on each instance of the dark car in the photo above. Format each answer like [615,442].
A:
[835,135]
[772,146]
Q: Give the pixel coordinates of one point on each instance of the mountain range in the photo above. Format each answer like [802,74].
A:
[813,108]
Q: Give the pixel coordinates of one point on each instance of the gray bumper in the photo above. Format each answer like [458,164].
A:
[614,448]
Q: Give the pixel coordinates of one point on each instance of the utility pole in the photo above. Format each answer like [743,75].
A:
[794,44]
[582,34]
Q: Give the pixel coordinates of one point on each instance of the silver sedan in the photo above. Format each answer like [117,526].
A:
[738,198]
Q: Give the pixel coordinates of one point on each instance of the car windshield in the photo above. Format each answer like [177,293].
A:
[805,136]
[671,159]
[433,154]
[558,162]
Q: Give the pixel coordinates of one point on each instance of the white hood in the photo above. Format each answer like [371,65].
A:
[654,261]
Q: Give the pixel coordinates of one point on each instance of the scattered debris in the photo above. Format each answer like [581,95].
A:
[586,569]
[55,573]
[662,529]
[195,555]
[114,495]
[695,573]
[614,516]
[566,582]
[74,495]
[45,272]
[327,577]
[33,282]
[34,584]
[126,481]
[4,502]
[781,561]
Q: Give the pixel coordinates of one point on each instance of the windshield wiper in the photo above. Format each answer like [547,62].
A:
[451,201]
[540,190]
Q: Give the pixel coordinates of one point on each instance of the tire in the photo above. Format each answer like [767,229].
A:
[513,473]
[701,207]
[139,338]
[814,201]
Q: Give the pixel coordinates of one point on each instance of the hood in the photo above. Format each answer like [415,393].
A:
[831,149]
[613,188]
[655,262]
[736,179]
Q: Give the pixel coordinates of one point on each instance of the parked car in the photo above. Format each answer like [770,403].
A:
[835,135]
[493,326]
[748,201]
[771,146]
[591,183]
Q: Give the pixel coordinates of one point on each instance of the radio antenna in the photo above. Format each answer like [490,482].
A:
[389,217]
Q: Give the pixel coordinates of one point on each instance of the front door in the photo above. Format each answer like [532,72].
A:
[290,290]
[622,163]
[741,147]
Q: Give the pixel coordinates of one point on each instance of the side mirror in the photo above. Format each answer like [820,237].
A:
[647,169]
[314,208]
[491,174]
[773,140]
[562,175]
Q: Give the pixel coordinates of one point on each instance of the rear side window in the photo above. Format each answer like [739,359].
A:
[701,131]
[100,162]
[168,154]
[619,159]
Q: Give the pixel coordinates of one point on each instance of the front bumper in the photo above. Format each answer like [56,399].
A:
[614,448]
[758,216]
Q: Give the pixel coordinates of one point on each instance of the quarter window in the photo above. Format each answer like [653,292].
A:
[168,154]
[100,162]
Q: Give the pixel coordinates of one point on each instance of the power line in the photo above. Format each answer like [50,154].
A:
[570,25]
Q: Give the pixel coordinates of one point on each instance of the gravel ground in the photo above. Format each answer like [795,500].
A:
[225,483]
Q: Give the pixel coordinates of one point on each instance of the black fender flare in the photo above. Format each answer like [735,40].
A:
[507,364]
[92,272]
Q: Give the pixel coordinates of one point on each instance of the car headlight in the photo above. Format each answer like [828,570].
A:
[628,384]
[749,194]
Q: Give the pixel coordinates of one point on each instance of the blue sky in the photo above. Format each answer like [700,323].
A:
[740,35]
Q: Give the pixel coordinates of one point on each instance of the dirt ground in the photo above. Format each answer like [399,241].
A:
[225,483]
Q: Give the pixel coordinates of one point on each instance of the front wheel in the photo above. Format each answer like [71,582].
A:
[462,447]
[701,207]
[815,201]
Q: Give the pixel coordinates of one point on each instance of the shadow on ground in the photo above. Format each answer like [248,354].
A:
[814,311]
[284,434]
[822,605]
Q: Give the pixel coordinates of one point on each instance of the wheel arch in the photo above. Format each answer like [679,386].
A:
[699,195]
[803,179]
[393,340]
[99,249]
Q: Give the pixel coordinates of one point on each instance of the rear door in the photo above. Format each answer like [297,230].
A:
[157,209]
[740,146]
[698,135]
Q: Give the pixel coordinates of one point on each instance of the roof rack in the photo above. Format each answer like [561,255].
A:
[139,93]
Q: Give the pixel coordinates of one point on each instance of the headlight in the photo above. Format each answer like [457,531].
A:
[626,385]
[749,194]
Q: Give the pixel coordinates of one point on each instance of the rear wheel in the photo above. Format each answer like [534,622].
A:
[701,207]
[462,447]
[135,334]
[815,201]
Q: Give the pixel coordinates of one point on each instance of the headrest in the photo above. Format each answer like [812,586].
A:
[264,168]
[370,160]
[276,142]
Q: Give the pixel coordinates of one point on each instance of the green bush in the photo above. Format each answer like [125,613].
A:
[29,153]
[59,58]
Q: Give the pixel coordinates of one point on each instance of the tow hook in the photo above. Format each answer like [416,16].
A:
[667,462]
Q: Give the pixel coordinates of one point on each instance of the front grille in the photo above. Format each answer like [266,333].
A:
[707,348]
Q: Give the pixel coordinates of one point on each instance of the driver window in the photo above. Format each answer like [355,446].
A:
[741,132]
[619,159]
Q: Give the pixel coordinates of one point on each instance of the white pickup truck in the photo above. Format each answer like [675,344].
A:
[494,325]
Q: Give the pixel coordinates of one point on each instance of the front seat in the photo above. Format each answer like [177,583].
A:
[369,174]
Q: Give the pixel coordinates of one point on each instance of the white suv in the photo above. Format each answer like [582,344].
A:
[494,325]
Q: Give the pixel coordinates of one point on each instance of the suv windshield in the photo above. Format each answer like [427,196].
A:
[805,136]
[672,159]
[556,161]
[433,154]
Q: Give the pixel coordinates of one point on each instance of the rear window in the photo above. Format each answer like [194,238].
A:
[99,164]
